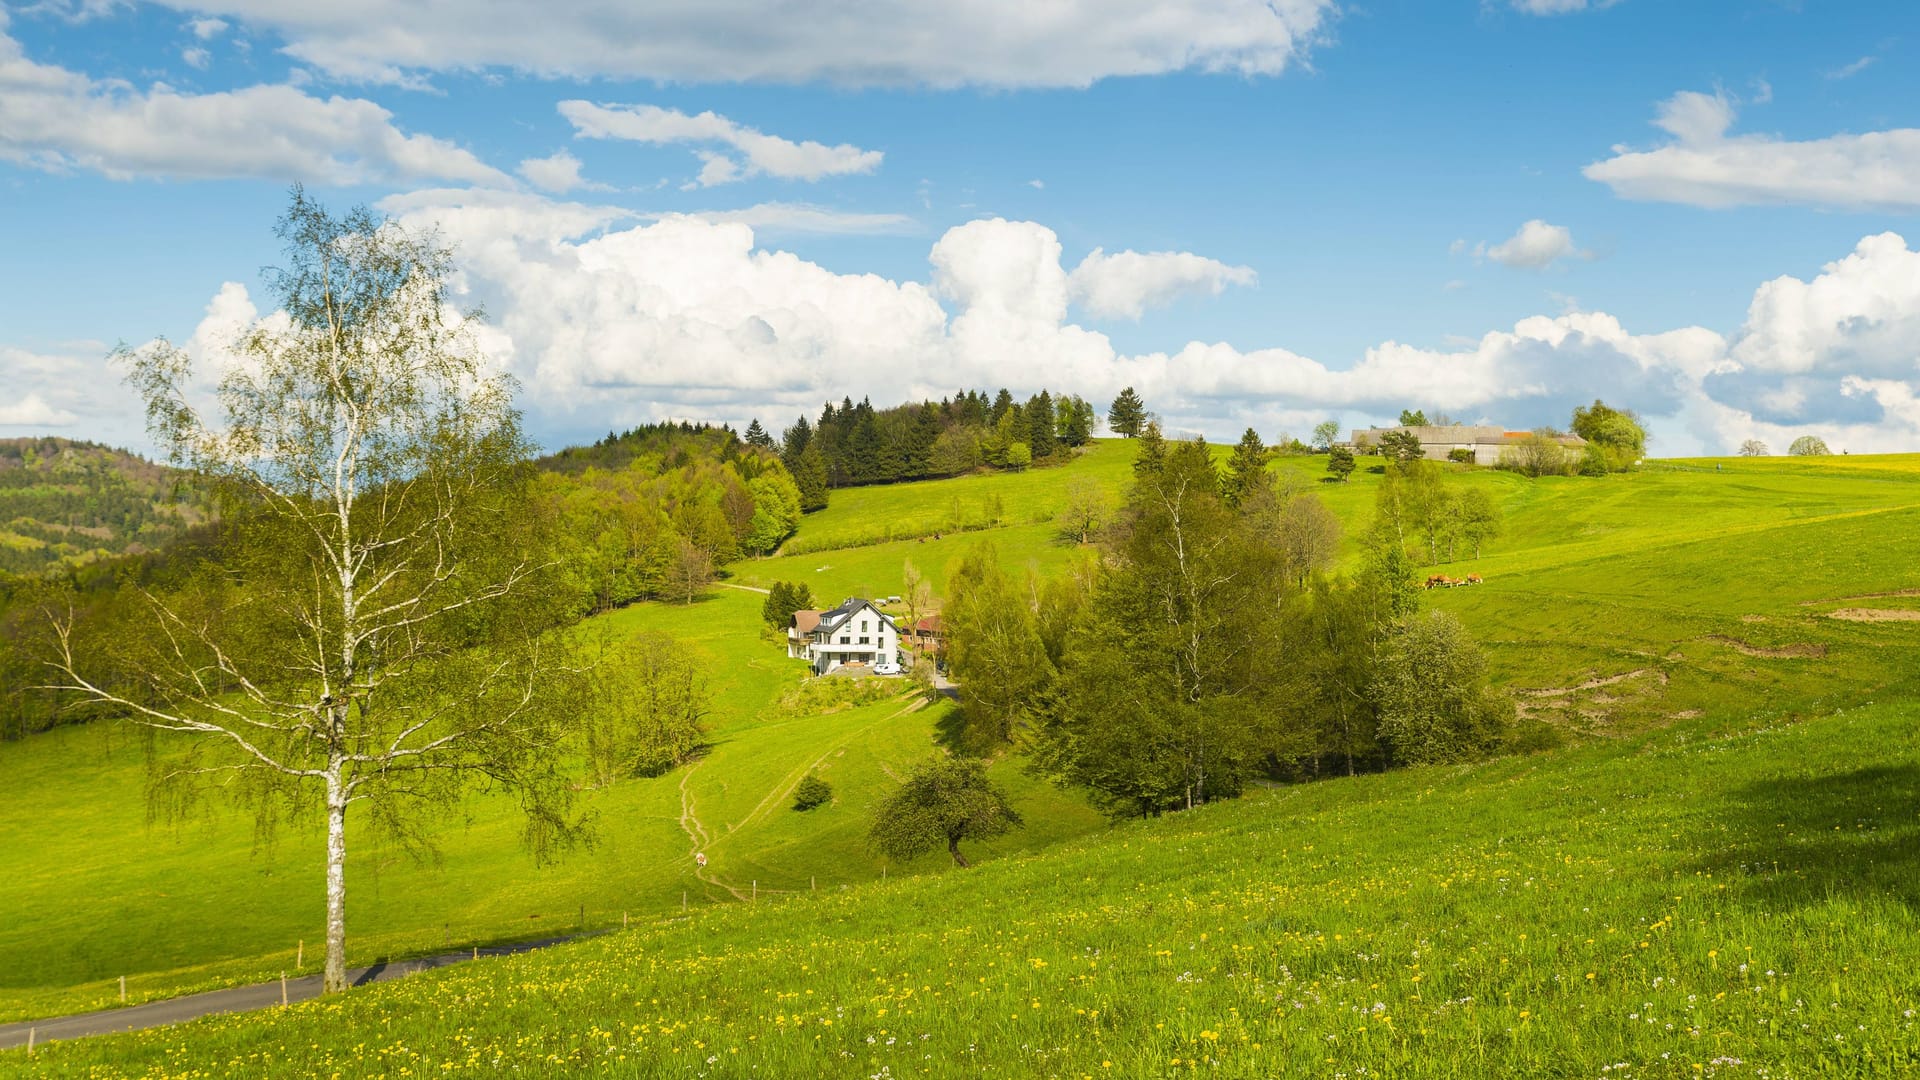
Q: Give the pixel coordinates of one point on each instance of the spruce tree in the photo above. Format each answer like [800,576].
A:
[1128,414]
[757,435]
[1246,470]
[1041,438]
[1153,452]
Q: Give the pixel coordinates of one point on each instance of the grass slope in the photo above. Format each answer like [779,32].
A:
[1612,607]
[1698,901]
[95,891]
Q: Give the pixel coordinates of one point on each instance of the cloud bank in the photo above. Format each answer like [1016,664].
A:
[988,43]
[1704,165]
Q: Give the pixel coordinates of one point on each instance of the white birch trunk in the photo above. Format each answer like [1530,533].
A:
[336,973]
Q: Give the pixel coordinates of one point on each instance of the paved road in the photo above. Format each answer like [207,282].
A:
[236,999]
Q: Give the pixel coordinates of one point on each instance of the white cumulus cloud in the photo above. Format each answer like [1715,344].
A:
[995,43]
[1706,166]
[759,153]
[55,119]
[1535,246]
[558,173]
[1126,283]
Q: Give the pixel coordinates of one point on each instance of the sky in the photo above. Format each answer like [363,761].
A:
[1260,213]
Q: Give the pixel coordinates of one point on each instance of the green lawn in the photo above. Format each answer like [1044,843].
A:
[1726,900]
[1613,607]
[95,891]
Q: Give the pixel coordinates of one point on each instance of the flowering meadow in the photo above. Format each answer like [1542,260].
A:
[1701,901]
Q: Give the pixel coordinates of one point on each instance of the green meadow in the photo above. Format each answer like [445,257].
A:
[1719,643]
[1707,899]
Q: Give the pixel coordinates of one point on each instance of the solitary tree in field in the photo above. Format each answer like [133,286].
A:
[1754,448]
[1128,414]
[1087,510]
[1325,434]
[944,801]
[379,629]
[1340,463]
[1809,446]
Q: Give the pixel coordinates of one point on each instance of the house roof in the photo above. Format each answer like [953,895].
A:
[833,618]
[805,621]
[928,625]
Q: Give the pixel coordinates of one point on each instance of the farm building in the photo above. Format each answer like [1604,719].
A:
[1486,442]
[854,632]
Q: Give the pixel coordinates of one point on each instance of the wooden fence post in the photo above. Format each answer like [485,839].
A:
[283,989]
[123,989]
[300,955]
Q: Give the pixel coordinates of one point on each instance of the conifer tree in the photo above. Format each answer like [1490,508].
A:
[1246,470]
[1128,414]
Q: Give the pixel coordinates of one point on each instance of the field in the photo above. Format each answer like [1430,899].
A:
[1718,638]
[1703,900]
[95,891]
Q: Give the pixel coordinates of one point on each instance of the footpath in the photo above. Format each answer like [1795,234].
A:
[237,998]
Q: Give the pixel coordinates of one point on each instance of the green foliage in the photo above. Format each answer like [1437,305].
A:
[1246,469]
[1340,463]
[1325,434]
[1127,415]
[1808,446]
[811,791]
[994,649]
[1019,456]
[942,802]
[1401,446]
[1431,689]
[1540,454]
[783,599]
[1413,418]
[650,712]
[1153,451]
[65,503]
[1620,437]
[1461,454]
[680,505]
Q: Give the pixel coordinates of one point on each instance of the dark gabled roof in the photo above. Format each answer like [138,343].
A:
[831,619]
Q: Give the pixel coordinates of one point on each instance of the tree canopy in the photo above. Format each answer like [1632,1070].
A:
[942,802]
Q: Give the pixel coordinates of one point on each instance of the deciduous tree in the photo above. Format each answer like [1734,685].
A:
[942,802]
[382,629]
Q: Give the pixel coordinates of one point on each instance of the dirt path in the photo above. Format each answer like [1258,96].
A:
[697,832]
[1782,652]
[1861,614]
[1593,684]
[743,588]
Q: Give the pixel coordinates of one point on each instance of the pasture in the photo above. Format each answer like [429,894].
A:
[1724,900]
[1632,611]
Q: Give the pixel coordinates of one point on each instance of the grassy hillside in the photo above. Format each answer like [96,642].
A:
[1705,900]
[1696,594]
[64,502]
[94,890]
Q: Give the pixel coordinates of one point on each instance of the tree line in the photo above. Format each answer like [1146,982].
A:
[854,444]
[1208,644]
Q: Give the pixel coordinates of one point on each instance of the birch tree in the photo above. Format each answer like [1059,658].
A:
[378,632]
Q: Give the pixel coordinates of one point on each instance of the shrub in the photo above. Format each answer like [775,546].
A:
[1461,454]
[811,792]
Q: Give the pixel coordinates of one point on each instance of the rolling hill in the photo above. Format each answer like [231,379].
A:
[63,503]
[1704,632]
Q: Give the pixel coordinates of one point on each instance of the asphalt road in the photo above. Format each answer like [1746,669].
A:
[236,999]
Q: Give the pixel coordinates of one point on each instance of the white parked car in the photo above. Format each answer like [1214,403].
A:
[887,667]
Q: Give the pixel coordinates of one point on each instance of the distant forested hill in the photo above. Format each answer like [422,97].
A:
[63,503]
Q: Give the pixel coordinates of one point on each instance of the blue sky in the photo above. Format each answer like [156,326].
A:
[1305,208]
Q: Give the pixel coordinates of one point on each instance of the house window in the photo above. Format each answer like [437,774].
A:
[863,641]
[863,624]
[846,641]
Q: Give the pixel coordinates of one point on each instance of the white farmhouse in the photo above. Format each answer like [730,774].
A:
[856,632]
